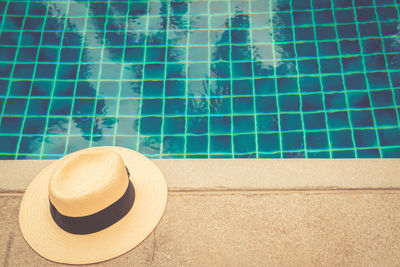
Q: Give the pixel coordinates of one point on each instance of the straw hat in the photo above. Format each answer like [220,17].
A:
[92,205]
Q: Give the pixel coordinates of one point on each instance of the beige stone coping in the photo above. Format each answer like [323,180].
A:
[244,174]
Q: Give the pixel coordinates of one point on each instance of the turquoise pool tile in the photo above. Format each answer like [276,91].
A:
[362,118]
[150,145]
[319,155]
[375,62]
[38,106]
[369,30]
[221,144]
[30,145]
[338,120]
[173,145]
[386,117]
[64,88]
[220,124]
[196,144]
[57,125]
[11,125]
[267,123]
[312,102]
[60,107]
[150,125]
[343,154]
[174,88]
[307,66]
[358,100]
[383,98]
[243,87]
[34,125]
[289,103]
[355,81]
[341,139]
[197,106]
[287,85]
[266,85]
[103,141]
[268,143]
[315,121]
[290,122]
[20,88]
[266,104]
[76,143]
[368,153]
[55,145]
[175,106]
[197,125]
[304,50]
[365,138]
[372,46]
[344,16]
[243,124]
[221,106]
[15,106]
[389,137]
[5,70]
[312,84]
[174,125]
[244,143]
[127,126]
[3,89]
[8,144]
[151,107]
[197,88]
[293,141]
[275,155]
[390,152]
[243,105]
[9,38]
[127,89]
[83,107]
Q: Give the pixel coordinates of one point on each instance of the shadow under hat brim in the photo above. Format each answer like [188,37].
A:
[53,243]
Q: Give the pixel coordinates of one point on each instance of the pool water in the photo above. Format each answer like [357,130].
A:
[201,79]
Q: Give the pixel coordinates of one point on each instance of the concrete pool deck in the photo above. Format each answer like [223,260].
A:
[248,212]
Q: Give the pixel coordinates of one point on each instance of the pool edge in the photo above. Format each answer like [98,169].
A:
[244,174]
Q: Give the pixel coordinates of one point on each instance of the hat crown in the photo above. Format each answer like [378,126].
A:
[87,182]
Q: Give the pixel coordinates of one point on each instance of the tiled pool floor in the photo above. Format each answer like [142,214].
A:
[201,78]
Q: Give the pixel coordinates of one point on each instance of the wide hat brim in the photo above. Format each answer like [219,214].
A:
[55,244]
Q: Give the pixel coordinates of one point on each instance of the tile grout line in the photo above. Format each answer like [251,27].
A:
[76,81]
[118,98]
[295,42]
[209,79]
[4,16]
[168,3]
[321,84]
[142,76]
[18,147]
[386,62]
[231,80]
[254,94]
[366,79]
[186,77]
[54,82]
[100,73]
[345,91]
[15,59]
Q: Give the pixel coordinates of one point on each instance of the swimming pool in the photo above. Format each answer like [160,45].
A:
[201,79]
